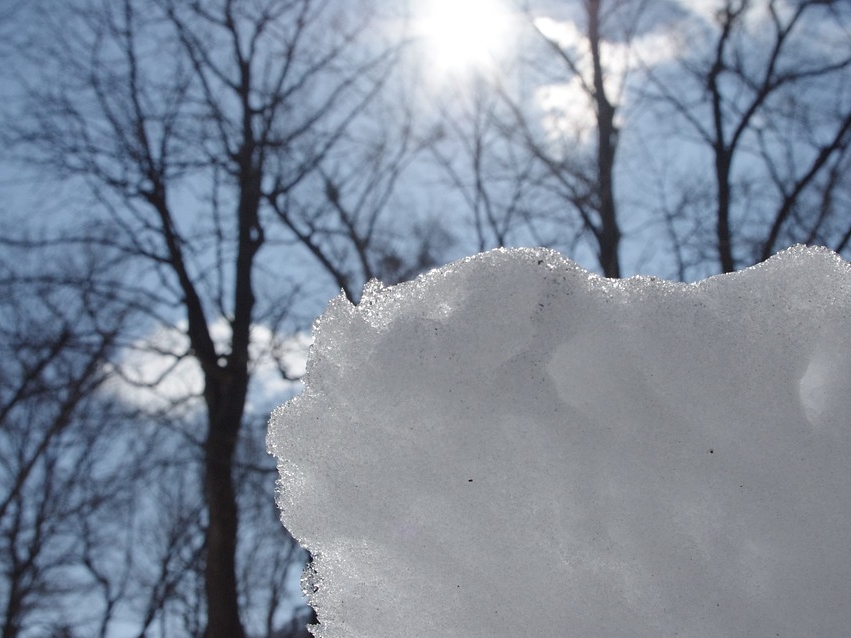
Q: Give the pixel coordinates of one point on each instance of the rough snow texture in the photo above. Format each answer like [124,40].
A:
[511,446]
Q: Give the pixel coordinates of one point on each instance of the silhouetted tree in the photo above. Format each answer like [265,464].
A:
[761,87]
[56,341]
[197,129]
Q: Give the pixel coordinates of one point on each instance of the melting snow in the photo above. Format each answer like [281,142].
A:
[511,446]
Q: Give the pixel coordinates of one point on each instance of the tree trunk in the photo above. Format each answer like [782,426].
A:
[722,176]
[225,402]
[609,233]
[11,623]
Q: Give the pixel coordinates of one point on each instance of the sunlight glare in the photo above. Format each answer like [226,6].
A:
[464,35]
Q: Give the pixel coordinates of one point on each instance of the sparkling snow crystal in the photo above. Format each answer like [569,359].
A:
[511,446]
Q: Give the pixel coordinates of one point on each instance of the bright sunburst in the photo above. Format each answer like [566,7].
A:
[464,35]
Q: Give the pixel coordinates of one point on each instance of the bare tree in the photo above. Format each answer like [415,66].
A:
[585,183]
[495,179]
[195,127]
[606,228]
[763,90]
[534,150]
[55,346]
[754,96]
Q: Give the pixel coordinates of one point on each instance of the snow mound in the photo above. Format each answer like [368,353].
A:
[512,446]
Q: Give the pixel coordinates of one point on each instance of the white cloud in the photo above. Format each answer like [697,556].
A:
[158,372]
[567,109]
[567,113]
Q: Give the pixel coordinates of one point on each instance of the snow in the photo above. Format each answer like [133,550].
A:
[512,446]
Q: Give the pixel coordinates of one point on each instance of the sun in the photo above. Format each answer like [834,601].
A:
[464,35]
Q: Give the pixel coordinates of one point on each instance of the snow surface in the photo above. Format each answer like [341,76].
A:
[512,446]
